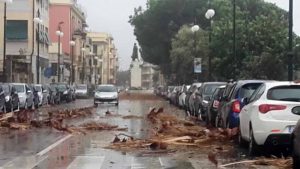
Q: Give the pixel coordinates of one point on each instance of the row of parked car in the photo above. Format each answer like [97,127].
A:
[265,112]
[16,96]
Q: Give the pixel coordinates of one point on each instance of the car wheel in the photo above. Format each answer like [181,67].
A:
[95,104]
[117,104]
[253,147]
[241,141]
[296,162]
[4,109]
[18,107]
[11,107]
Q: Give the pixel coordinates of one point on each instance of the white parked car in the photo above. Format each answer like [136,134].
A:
[39,89]
[25,95]
[81,90]
[270,116]
[106,94]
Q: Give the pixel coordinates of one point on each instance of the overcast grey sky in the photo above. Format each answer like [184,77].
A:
[112,16]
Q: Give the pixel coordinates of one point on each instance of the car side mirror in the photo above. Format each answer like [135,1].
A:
[29,91]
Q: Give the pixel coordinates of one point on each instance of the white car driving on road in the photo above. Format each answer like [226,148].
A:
[270,117]
[106,94]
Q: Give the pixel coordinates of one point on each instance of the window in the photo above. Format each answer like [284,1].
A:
[258,93]
[285,93]
[17,30]
[95,49]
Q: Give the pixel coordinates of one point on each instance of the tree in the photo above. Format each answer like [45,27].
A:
[135,54]
[185,47]
[261,34]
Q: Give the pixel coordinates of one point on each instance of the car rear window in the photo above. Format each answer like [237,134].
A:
[285,93]
[209,89]
[248,89]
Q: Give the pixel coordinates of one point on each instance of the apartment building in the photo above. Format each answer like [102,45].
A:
[105,57]
[22,42]
[69,18]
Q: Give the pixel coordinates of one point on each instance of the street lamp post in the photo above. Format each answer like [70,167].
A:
[195,29]
[59,35]
[72,43]
[91,66]
[83,65]
[39,21]
[4,38]
[209,15]
[290,53]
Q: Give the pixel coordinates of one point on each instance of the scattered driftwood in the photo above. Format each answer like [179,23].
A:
[132,117]
[276,162]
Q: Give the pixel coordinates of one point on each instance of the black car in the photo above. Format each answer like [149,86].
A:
[36,98]
[12,102]
[64,91]
[204,95]
[2,100]
[296,146]
[213,105]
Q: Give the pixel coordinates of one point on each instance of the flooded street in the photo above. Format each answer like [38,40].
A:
[47,148]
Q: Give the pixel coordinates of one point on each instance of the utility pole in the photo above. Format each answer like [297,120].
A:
[290,52]
[4,43]
[234,38]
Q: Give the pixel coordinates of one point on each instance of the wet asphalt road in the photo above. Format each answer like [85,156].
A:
[50,149]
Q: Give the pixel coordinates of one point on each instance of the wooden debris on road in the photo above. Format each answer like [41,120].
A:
[132,117]
[280,163]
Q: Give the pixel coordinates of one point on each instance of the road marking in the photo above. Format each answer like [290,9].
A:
[87,162]
[52,146]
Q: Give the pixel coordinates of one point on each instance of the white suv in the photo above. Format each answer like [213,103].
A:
[270,116]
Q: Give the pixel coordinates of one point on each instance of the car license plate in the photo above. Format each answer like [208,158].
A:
[291,129]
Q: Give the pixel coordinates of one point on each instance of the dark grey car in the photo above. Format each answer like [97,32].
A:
[204,95]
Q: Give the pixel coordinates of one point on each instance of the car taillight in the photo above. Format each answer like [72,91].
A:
[236,106]
[265,108]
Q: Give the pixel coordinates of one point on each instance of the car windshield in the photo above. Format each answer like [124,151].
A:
[20,88]
[62,87]
[5,88]
[38,88]
[81,87]
[284,93]
[209,89]
[106,89]
[247,90]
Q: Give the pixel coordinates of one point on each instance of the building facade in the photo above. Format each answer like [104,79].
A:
[68,17]
[106,60]
[22,42]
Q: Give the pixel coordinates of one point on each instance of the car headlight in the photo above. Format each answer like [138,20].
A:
[66,92]
[7,98]
[205,102]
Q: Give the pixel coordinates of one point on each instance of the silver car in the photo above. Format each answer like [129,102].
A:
[81,90]
[39,89]
[106,94]
[25,95]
